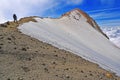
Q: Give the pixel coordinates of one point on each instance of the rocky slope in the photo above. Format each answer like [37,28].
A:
[25,58]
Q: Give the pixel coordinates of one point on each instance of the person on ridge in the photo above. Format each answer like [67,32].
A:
[15,17]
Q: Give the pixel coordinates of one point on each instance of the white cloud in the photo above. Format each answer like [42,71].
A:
[107,2]
[74,2]
[102,10]
[105,15]
[109,23]
[22,7]
[2,17]
[107,18]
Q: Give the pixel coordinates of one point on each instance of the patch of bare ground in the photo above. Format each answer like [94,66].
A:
[25,58]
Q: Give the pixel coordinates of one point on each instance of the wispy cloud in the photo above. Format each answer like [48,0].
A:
[109,23]
[108,2]
[106,17]
[102,10]
[74,2]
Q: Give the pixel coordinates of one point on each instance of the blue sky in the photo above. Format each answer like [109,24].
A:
[105,12]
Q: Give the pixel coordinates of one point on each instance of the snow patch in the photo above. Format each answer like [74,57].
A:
[75,36]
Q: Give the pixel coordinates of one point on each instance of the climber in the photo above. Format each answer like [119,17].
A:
[15,17]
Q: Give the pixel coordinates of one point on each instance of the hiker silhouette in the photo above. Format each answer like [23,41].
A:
[15,17]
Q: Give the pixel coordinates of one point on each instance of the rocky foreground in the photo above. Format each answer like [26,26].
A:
[25,58]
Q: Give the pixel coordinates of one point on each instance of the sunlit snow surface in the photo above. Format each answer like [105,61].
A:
[76,36]
[114,34]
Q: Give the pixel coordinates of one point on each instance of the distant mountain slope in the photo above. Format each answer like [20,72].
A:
[75,32]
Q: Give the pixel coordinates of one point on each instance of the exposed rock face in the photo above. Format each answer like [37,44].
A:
[77,14]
